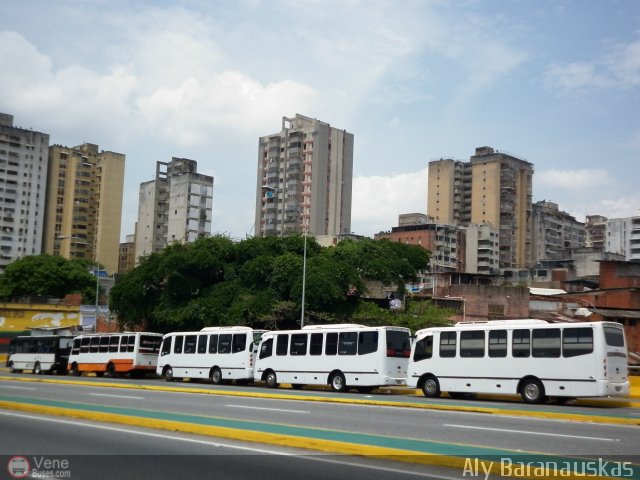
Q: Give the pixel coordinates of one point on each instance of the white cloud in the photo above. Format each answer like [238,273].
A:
[580,180]
[378,200]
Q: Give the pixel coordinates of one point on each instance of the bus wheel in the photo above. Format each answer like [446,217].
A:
[168,374]
[74,370]
[216,376]
[111,371]
[431,387]
[37,369]
[532,391]
[271,379]
[338,382]
[297,386]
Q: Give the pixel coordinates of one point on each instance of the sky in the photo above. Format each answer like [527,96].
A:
[555,82]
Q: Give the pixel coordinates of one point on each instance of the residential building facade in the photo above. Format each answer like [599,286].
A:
[596,226]
[555,232]
[493,188]
[175,207]
[23,184]
[623,237]
[127,255]
[84,204]
[304,179]
[482,250]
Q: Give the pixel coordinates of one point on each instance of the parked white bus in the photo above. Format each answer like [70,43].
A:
[532,358]
[115,353]
[216,353]
[39,354]
[342,356]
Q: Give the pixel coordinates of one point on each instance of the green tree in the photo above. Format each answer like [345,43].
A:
[47,275]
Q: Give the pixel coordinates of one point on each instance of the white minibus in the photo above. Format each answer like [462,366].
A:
[39,354]
[115,353]
[341,355]
[216,353]
[532,358]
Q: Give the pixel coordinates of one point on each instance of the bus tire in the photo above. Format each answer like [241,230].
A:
[430,387]
[271,379]
[74,370]
[37,369]
[532,391]
[111,371]
[216,376]
[338,382]
[168,374]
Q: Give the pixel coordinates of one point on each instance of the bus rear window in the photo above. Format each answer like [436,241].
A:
[398,344]
[150,344]
[614,336]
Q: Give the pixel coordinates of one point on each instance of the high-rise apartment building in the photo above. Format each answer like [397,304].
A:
[596,227]
[623,237]
[555,232]
[23,183]
[304,179]
[127,255]
[493,188]
[482,250]
[175,207]
[84,204]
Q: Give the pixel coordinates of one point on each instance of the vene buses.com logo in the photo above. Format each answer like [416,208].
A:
[18,467]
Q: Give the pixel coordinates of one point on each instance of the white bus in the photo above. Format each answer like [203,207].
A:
[111,354]
[39,354]
[216,353]
[342,356]
[532,358]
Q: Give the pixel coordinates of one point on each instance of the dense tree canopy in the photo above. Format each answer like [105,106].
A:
[258,282]
[47,275]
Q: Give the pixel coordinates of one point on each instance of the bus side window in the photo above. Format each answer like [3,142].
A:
[190,344]
[202,344]
[577,341]
[472,344]
[123,343]
[367,342]
[447,344]
[521,343]
[315,348]
[94,345]
[298,344]
[266,349]
[282,342]
[239,342]
[177,344]
[546,343]
[331,347]
[166,346]
[347,343]
[424,349]
[497,343]
[84,345]
[114,341]
[104,344]
[224,343]
[76,346]
[132,343]
[213,343]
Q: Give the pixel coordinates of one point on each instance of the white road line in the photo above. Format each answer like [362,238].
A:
[599,439]
[271,409]
[116,396]
[164,436]
[19,388]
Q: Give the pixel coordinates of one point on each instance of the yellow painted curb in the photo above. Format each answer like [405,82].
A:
[350,401]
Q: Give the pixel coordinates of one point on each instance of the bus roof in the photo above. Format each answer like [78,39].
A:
[495,324]
[217,329]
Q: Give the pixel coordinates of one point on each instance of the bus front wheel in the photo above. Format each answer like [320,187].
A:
[271,379]
[338,382]
[37,369]
[74,370]
[168,374]
[532,391]
[216,376]
[111,371]
[431,387]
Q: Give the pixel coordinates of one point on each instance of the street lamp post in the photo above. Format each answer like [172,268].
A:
[304,278]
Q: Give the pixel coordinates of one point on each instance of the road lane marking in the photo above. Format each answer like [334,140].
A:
[599,439]
[116,396]
[19,388]
[270,409]
[76,423]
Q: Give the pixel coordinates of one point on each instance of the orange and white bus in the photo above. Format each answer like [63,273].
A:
[115,353]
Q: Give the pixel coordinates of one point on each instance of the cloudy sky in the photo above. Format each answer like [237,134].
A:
[556,82]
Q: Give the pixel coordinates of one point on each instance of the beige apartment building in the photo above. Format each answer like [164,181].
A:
[84,204]
[493,188]
[304,179]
